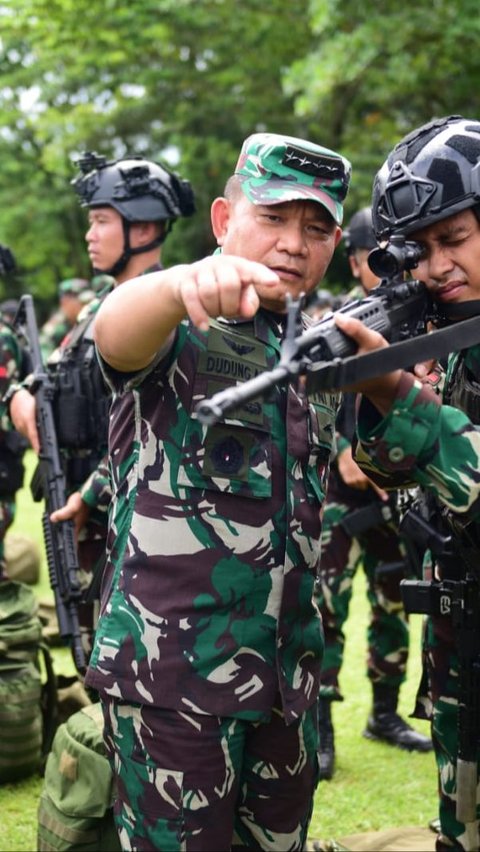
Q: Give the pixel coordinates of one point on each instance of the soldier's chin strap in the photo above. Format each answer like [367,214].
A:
[129,252]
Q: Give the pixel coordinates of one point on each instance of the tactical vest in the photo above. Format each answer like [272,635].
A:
[81,404]
[463,391]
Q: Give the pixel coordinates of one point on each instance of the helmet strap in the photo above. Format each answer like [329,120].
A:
[129,252]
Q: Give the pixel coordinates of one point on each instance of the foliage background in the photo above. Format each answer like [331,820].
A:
[185,81]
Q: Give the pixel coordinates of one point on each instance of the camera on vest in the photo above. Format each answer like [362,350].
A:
[399,255]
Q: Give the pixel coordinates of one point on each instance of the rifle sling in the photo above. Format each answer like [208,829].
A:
[340,373]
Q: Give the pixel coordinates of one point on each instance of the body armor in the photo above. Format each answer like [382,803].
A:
[463,391]
[81,405]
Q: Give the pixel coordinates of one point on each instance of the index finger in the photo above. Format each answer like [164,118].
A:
[366,338]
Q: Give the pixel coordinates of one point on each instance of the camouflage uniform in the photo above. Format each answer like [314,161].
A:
[342,553]
[236,516]
[11,465]
[382,553]
[360,528]
[428,187]
[57,326]
[209,642]
[53,332]
[418,439]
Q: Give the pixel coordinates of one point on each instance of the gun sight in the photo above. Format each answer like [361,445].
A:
[398,256]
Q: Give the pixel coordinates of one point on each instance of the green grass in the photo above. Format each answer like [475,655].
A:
[374,786]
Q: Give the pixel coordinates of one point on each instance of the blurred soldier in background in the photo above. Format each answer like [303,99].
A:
[8,309]
[360,526]
[14,365]
[132,206]
[322,302]
[73,295]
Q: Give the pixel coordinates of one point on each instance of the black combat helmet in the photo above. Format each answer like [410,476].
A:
[138,189]
[359,233]
[432,173]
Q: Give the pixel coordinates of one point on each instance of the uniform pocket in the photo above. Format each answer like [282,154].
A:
[231,458]
[234,456]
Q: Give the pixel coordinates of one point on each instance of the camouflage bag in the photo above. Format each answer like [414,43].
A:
[75,810]
[27,705]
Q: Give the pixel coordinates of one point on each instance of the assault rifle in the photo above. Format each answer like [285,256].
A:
[399,308]
[456,595]
[48,484]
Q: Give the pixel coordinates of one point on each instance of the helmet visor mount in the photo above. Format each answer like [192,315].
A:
[405,197]
[140,190]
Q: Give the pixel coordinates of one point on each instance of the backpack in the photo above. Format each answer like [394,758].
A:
[75,811]
[27,705]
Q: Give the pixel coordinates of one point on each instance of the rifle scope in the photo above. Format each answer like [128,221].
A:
[398,256]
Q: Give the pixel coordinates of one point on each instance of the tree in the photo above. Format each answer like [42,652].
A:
[380,69]
[180,81]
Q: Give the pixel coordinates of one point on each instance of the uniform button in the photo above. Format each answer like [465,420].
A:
[396,454]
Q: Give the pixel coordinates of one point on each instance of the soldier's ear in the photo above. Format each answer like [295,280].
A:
[220,217]
[142,233]
[354,266]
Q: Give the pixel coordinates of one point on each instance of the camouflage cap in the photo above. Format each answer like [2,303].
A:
[273,169]
[73,286]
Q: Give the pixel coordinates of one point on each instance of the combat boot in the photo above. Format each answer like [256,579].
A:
[326,740]
[385,724]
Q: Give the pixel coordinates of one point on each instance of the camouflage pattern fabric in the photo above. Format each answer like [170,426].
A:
[264,773]
[421,441]
[342,553]
[207,609]
[10,365]
[274,169]
[52,333]
[7,517]
[439,447]
[214,534]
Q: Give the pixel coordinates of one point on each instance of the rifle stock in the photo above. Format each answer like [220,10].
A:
[48,484]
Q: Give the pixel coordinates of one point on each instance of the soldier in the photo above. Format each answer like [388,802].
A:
[428,191]
[14,364]
[360,526]
[73,294]
[207,652]
[8,309]
[132,206]
[12,446]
